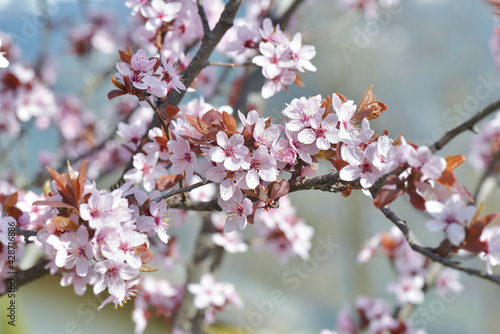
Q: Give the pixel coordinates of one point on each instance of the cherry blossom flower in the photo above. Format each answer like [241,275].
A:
[345,111]
[182,158]
[408,290]
[265,136]
[450,216]
[230,151]
[273,59]
[122,247]
[160,12]
[302,54]
[237,209]
[171,76]
[145,170]
[133,132]
[247,39]
[207,292]
[448,280]
[113,275]
[491,235]
[140,68]
[431,166]
[157,222]
[360,165]
[231,242]
[302,112]
[230,181]
[276,83]
[323,133]
[79,251]
[79,282]
[261,165]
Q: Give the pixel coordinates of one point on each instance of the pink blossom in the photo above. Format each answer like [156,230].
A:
[207,292]
[139,69]
[113,275]
[246,40]
[273,59]
[345,111]
[260,165]
[157,222]
[133,132]
[448,280]
[431,166]
[303,111]
[122,246]
[230,181]
[231,151]
[265,136]
[450,216]
[145,170]
[408,290]
[160,12]
[491,235]
[323,133]
[231,242]
[302,54]
[360,165]
[237,209]
[171,76]
[277,83]
[79,251]
[182,158]
[79,282]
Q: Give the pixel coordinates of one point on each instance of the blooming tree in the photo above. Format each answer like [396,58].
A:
[174,153]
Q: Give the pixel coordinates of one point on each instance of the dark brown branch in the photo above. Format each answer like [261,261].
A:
[26,234]
[203,17]
[430,253]
[467,125]
[23,277]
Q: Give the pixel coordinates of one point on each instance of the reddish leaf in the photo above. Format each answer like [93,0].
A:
[386,196]
[117,83]
[341,97]
[472,242]
[367,98]
[229,122]
[194,121]
[60,181]
[54,204]
[168,181]
[371,111]
[417,201]
[171,111]
[11,200]
[124,56]
[115,93]
[278,189]
[447,178]
[453,162]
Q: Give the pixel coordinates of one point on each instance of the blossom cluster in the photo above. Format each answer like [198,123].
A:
[279,57]
[99,238]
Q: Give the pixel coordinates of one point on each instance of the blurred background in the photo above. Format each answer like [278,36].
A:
[422,60]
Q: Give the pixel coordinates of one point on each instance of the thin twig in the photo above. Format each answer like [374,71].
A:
[203,17]
[430,253]
[231,65]
[26,234]
[488,174]
[468,125]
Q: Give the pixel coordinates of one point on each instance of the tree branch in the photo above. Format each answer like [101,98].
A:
[430,253]
[203,17]
[26,276]
[231,65]
[467,125]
